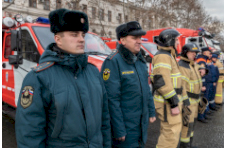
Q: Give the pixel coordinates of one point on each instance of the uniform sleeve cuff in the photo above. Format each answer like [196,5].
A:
[173,101]
[186,102]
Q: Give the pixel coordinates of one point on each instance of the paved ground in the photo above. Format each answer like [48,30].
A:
[210,135]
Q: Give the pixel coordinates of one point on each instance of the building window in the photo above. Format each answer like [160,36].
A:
[33,3]
[119,17]
[101,14]
[93,12]
[8,1]
[74,5]
[110,34]
[46,5]
[58,4]
[143,22]
[137,19]
[102,33]
[149,23]
[84,8]
[126,18]
[109,16]
[94,31]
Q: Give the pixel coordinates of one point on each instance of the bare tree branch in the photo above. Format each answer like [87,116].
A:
[8,5]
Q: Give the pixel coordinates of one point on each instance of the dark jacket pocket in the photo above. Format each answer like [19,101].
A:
[60,105]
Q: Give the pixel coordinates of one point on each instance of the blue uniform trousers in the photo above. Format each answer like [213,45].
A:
[212,93]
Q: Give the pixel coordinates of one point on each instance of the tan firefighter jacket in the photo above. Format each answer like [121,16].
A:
[191,81]
[220,67]
[166,76]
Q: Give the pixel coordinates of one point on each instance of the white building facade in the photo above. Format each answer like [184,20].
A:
[104,16]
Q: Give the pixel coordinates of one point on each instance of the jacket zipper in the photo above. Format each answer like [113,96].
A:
[142,97]
[83,112]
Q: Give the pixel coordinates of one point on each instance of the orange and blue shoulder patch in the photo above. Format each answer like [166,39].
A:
[112,54]
[43,66]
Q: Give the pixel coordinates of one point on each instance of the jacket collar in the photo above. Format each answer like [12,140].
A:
[169,49]
[203,56]
[187,60]
[74,62]
[129,57]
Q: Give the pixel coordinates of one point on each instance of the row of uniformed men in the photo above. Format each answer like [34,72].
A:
[64,102]
[182,87]
[213,81]
[188,85]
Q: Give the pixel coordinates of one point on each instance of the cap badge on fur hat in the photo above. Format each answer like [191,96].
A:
[82,20]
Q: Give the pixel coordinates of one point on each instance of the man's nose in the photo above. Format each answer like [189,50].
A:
[81,38]
[139,40]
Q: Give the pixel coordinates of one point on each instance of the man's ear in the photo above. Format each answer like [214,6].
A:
[122,40]
[57,39]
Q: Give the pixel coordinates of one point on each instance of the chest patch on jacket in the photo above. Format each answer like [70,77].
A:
[27,96]
[127,72]
[106,74]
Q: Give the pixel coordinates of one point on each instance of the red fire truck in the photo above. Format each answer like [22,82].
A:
[187,35]
[23,42]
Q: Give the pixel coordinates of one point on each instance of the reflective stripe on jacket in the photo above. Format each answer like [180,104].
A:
[166,76]
[191,80]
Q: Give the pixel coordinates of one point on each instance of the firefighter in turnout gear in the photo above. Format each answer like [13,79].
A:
[166,79]
[219,89]
[191,84]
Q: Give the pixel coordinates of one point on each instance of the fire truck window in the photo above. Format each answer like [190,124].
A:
[8,50]
[156,38]
[28,47]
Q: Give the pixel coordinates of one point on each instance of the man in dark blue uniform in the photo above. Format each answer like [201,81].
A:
[209,82]
[125,77]
[215,78]
[63,102]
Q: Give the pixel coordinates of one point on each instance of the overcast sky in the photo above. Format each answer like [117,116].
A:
[214,8]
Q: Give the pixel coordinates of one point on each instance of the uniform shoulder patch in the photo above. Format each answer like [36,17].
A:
[43,66]
[112,54]
[27,96]
[106,74]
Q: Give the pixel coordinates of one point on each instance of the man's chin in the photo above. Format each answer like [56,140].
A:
[80,51]
[138,50]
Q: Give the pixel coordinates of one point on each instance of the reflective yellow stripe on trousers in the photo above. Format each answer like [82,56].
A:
[185,140]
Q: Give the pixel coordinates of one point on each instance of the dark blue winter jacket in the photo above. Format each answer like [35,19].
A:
[130,100]
[63,103]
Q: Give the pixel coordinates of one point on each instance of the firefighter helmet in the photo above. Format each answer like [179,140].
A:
[167,38]
[189,47]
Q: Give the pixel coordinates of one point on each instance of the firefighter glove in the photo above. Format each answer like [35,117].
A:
[186,112]
[202,105]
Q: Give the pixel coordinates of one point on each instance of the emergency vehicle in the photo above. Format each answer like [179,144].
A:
[214,45]
[23,42]
[187,36]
